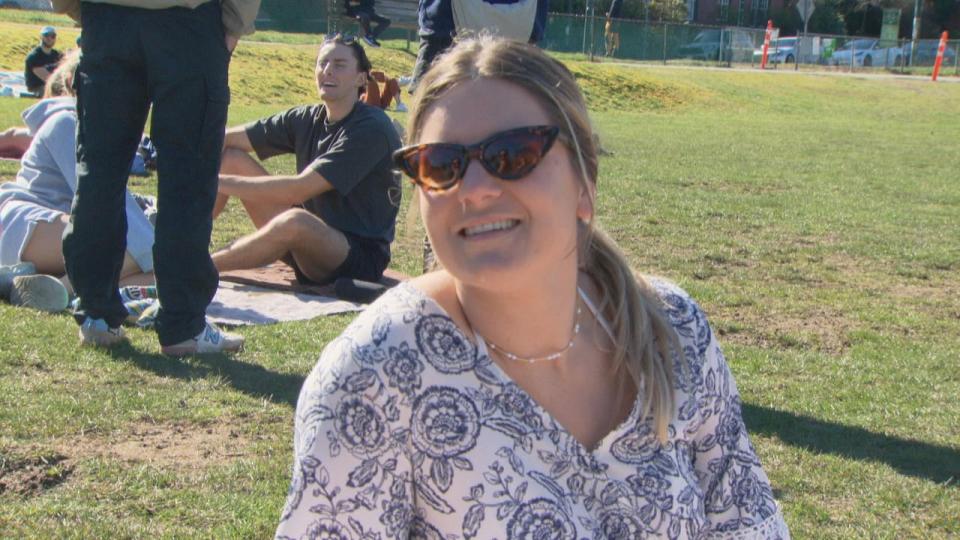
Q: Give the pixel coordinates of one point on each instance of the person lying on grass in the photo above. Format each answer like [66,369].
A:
[35,208]
[336,217]
[535,386]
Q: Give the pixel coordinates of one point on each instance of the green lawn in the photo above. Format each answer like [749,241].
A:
[815,218]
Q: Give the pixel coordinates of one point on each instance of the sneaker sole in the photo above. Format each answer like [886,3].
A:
[190,350]
[40,291]
[100,341]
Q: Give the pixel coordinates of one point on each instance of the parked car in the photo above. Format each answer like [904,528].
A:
[927,53]
[781,50]
[866,53]
[737,45]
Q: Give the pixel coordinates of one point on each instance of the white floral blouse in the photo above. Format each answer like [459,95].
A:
[406,429]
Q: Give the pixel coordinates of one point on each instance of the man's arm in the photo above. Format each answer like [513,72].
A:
[288,190]
[236,138]
[42,72]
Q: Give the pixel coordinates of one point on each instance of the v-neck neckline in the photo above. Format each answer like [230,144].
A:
[481,352]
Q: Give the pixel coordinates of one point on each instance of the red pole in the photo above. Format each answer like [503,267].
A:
[766,44]
[940,49]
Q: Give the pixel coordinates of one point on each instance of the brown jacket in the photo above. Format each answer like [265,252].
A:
[238,15]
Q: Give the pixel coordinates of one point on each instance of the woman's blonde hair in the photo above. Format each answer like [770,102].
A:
[646,341]
[60,82]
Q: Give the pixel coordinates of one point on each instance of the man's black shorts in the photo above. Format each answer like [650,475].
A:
[366,260]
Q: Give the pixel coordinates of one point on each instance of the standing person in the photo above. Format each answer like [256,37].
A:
[436,31]
[174,56]
[41,61]
[611,28]
[336,217]
[536,387]
[365,12]
[440,20]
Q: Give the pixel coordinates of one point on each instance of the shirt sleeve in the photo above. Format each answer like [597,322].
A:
[738,499]
[275,134]
[70,7]
[59,133]
[351,158]
[238,16]
[351,478]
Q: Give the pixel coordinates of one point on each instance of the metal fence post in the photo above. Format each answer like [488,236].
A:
[720,51]
[589,30]
[583,48]
[853,56]
[665,43]
[901,57]
[956,58]
[796,51]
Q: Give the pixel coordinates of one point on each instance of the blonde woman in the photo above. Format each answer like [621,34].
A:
[35,208]
[534,387]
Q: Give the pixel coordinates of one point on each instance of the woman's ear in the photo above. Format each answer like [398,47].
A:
[585,203]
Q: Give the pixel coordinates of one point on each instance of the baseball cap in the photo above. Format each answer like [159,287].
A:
[47,30]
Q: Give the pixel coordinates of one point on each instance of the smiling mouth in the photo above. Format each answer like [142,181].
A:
[502,225]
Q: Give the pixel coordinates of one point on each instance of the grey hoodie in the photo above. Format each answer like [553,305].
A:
[48,173]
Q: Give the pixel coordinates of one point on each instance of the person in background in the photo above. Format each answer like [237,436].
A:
[336,217]
[438,26]
[173,56]
[365,12]
[35,208]
[536,387]
[611,28]
[373,95]
[41,61]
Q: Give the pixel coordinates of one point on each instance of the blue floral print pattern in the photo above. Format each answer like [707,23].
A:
[406,429]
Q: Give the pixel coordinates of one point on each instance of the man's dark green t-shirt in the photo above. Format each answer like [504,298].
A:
[352,154]
[38,58]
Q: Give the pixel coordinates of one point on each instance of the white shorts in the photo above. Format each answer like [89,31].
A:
[18,219]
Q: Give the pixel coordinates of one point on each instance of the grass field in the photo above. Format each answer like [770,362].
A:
[815,218]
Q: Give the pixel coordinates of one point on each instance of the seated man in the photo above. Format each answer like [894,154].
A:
[41,61]
[336,216]
[364,12]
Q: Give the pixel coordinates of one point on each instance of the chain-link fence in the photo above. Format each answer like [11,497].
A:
[663,42]
[687,43]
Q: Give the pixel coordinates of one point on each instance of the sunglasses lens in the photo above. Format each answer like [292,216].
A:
[509,155]
[434,166]
[513,155]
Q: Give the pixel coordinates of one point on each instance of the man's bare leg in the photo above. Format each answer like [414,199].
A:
[240,163]
[317,248]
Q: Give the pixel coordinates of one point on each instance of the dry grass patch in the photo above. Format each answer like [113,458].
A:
[178,445]
[821,328]
[28,477]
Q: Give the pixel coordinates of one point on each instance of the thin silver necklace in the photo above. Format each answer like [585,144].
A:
[547,357]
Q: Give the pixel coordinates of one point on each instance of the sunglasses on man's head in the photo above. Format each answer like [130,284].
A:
[508,155]
[346,39]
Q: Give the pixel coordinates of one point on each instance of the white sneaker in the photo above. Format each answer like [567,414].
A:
[210,340]
[39,291]
[97,333]
[401,107]
[405,80]
[7,273]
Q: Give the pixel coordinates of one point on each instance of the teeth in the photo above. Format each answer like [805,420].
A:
[487,227]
